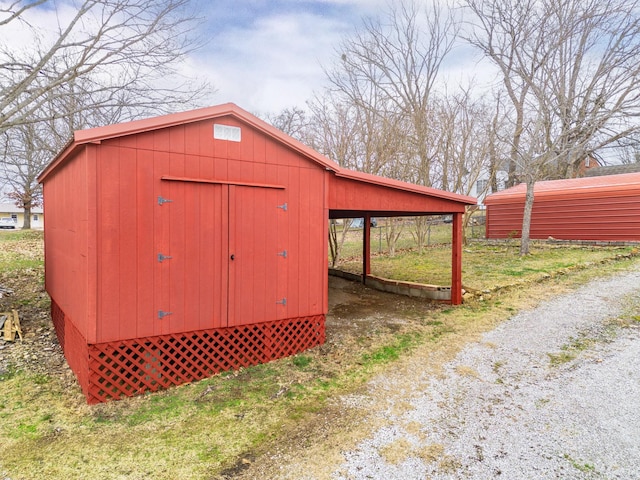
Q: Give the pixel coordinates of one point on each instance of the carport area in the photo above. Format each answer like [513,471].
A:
[360,195]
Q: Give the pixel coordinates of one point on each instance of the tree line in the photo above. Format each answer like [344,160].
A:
[564,87]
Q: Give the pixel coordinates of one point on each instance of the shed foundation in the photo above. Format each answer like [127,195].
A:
[132,367]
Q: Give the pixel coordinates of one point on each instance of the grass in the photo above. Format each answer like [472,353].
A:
[571,350]
[484,267]
[200,430]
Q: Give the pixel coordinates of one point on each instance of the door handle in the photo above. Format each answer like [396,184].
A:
[233,257]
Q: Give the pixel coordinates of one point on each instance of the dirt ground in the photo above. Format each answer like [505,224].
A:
[355,310]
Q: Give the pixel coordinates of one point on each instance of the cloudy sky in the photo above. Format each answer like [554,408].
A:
[264,55]
[268,55]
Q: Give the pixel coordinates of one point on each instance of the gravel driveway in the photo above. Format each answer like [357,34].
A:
[553,393]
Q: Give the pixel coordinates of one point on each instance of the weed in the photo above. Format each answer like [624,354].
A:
[9,373]
[541,402]
[557,359]
[579,344]
[40,379]
[432,452]
[466,371]
[437,333]
[583,467]
[382,355]
[27,429]
[433,323]
[570,351]
[166,404]
[301,361]
[392,351]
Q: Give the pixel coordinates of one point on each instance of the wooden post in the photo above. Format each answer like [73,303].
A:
[456,260]
[366,248]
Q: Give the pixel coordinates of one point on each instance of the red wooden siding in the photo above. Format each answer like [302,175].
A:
[254,260]
[70,254]
[218,207]
[349,196]
[600,208]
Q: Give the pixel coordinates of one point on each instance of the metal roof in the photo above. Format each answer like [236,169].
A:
[97,135]
[612,170]
[628,183]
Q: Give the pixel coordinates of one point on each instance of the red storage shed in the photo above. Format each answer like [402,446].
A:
[605,208]
[184,245]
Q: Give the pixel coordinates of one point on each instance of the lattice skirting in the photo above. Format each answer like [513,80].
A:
[131,367]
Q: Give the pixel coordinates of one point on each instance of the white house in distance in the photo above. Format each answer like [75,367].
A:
[481,187]
[10,210]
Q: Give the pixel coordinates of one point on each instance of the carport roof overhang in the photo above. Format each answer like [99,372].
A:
[355,194]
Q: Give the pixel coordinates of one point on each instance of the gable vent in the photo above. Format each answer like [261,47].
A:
[226,132]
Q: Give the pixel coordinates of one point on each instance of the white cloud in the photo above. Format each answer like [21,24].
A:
[275,64]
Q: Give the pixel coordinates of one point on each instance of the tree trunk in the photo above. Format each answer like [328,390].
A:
[334,250]
[393,231]
[526,218]
[27,218]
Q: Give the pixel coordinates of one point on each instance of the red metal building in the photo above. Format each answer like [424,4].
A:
[605,208]
[184,245]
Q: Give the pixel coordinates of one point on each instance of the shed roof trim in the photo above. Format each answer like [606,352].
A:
[96,135]
[398,185]
[569,187]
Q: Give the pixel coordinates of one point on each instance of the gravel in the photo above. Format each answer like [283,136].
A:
[552,393]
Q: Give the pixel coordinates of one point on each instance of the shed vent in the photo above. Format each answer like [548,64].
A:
[227,132]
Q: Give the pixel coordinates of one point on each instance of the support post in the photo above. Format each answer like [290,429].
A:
[366,248]
[456,260]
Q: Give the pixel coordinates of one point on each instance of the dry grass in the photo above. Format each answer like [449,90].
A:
[247,424]
[397,451]
[466,371]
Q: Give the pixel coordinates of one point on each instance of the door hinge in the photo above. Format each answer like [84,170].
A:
[162,200]
[282,302]
[283,254]
[162,314]
[283,206]
[162,257]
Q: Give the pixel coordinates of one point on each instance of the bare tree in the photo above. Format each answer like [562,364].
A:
[389,69]
[334,129]
[105,62]
[463,142]
[292,121]
[122,49]
[24,160]
[571,70]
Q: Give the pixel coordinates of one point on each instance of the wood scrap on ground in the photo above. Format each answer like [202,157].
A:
[10,325]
